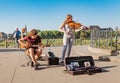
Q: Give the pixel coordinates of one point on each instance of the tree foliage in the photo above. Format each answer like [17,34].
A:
[47,34]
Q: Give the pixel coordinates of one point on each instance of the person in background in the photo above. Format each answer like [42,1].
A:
[68,27]
[16,36]
[23,34]
[31,45]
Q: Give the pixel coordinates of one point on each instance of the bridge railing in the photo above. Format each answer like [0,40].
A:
[105,38]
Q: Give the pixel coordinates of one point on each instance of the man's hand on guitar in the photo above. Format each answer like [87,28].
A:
[30,45]
[42,46]
[25,45]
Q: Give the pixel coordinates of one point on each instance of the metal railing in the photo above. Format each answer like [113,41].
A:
[105,38]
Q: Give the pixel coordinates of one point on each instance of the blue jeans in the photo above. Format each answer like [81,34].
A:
[16,42]
[67,47]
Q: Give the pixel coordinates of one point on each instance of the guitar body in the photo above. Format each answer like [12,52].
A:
[26,46]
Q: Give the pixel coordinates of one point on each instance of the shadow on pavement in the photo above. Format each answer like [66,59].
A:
[9,50]
[109,66]
[41,67]
[104,69]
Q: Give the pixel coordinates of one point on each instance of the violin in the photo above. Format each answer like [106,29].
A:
[74,24]
[77,25]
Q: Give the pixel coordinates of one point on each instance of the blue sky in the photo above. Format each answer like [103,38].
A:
[49,14]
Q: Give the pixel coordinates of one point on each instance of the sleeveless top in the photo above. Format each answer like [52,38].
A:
[71,32]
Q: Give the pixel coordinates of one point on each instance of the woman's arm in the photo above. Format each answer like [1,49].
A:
[62,26]
[79,29]
[82,28]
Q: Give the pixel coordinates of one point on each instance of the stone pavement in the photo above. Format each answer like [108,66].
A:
[97,54]
[13,69]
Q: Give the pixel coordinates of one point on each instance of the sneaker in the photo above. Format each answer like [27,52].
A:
[32,64]
[61,63]
[36,66]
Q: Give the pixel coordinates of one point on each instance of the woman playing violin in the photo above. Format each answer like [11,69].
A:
[33,52]
[68,28]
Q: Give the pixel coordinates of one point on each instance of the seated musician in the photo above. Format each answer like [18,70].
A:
[32,43]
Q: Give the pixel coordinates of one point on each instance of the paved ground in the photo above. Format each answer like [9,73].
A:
[13,69]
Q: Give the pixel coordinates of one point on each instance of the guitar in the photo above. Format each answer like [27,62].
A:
[26,46]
